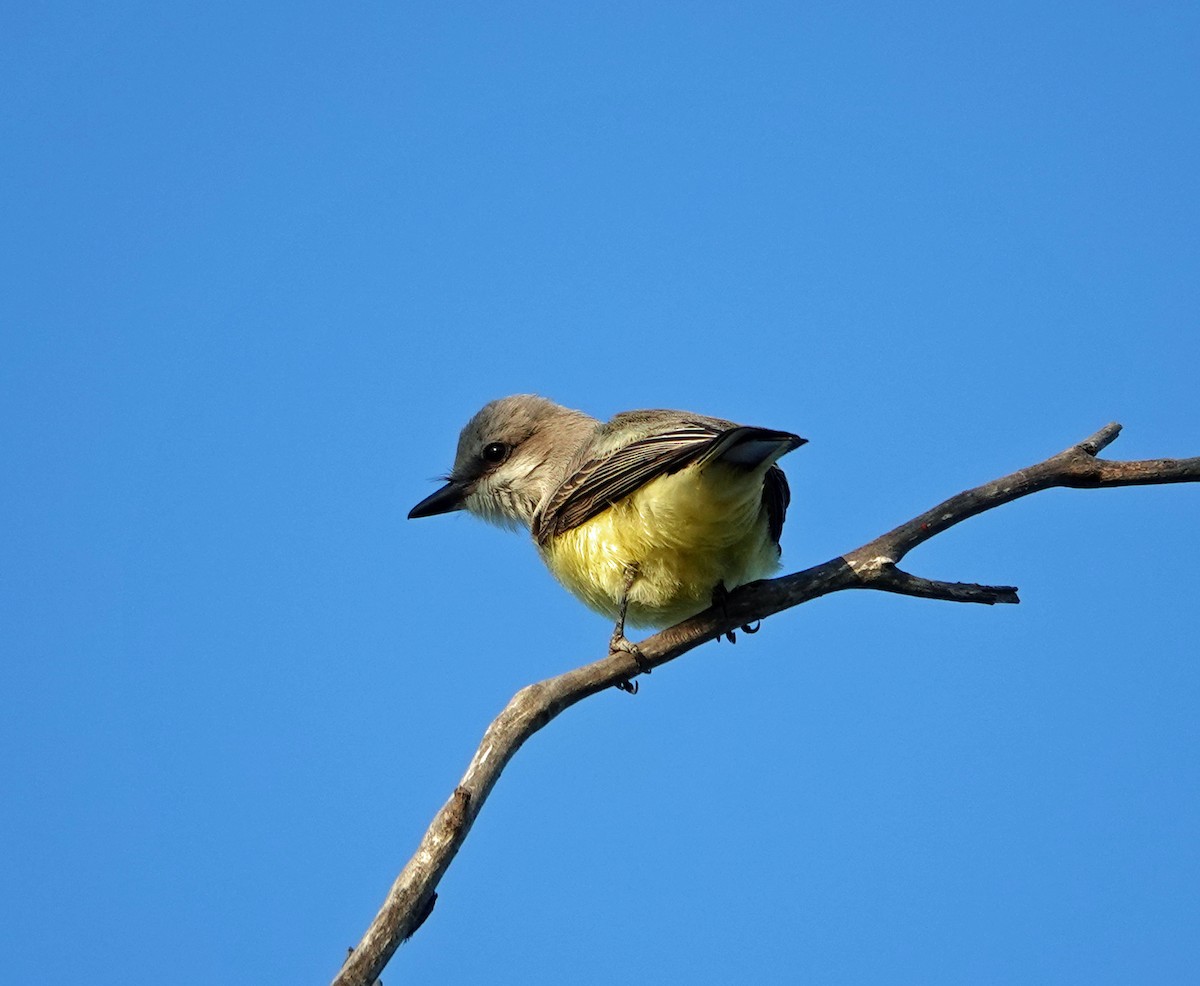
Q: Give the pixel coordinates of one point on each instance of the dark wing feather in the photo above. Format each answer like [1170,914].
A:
[600,483]
[776,495]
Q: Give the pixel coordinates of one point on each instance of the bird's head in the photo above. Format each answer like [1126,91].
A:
[511,455]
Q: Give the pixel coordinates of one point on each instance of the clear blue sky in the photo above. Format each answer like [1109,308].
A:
[260,264]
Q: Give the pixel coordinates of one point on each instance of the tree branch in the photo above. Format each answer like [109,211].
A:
[873,566]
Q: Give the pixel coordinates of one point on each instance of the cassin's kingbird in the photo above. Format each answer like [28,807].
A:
[648,517]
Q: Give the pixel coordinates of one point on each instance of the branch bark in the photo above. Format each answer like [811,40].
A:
[875,565]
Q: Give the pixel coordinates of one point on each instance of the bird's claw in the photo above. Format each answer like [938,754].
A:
[731,635]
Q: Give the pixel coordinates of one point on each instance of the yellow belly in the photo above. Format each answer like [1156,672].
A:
[685,533]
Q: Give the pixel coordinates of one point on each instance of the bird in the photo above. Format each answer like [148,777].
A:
[648,518]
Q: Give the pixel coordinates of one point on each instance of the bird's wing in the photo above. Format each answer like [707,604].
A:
[602,481]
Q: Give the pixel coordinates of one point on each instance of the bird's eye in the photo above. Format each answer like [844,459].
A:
[494,452]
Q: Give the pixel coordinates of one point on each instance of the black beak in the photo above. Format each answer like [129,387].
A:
[449,497]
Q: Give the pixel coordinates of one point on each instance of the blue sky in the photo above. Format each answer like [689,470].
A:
[261,263]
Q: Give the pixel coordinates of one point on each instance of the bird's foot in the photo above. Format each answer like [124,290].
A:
[620,644]
[719,597]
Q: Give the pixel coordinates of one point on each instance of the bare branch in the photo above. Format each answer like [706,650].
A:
[873,566]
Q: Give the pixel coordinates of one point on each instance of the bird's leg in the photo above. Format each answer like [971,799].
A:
[618,642]
[719,596]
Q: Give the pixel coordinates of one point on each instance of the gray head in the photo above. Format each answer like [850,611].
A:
[511,455]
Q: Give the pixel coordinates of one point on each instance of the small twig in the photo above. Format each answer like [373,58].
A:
[873,566]
[893,579]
